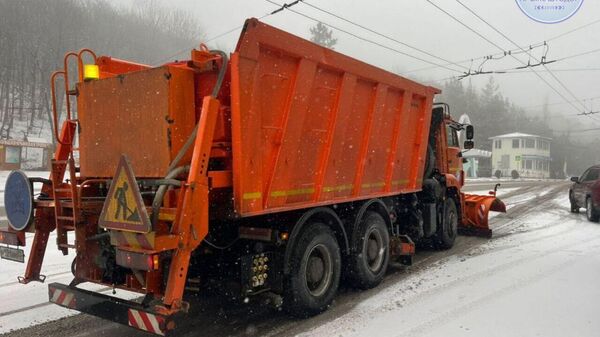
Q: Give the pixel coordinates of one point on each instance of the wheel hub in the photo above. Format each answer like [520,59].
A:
[316,269]
[374,250]
[319,270]
[452,222]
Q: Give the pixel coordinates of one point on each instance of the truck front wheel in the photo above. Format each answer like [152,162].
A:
[448,230]
[315,266]
[370,252]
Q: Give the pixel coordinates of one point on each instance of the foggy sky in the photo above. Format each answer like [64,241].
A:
[420,24]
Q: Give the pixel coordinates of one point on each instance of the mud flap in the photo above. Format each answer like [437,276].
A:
[477,208]
[402,249]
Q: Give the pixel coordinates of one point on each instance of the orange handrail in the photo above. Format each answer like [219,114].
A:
[65,75]
[54,107]
[80,60]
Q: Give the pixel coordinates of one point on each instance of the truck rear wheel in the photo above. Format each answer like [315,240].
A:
[315,267]
[370,252]
[448,230]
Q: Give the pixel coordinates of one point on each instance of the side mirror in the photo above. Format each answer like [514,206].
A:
[469,144]
[470,131]
[575,179]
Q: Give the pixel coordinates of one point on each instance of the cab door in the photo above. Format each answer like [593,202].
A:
[453,151]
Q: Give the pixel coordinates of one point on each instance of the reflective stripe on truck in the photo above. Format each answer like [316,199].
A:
[114,309]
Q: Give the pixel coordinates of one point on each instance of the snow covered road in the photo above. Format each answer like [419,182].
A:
[538,276]
[541,281]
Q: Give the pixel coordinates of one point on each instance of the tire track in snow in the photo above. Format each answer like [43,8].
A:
[470,306]
[42,304]
[2,285]
[256,320]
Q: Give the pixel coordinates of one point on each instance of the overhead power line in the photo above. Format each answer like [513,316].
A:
[502,49]
[383,35]
[556,70]
[588,113]
[542,62]
[579,54]
[229,31]
[516,50]
[363,38]
[574,30]
[464,25]
[517,70]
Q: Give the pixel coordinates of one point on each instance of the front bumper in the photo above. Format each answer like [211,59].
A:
[111,308]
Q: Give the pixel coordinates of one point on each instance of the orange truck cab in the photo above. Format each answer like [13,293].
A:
[277,169]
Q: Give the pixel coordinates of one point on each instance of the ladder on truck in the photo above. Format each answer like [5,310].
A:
[65,193]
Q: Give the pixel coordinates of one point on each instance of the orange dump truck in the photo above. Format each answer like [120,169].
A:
[280,170]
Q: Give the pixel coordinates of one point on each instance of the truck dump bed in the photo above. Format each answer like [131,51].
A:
[312,126]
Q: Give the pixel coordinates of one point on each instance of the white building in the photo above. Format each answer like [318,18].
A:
[527,154]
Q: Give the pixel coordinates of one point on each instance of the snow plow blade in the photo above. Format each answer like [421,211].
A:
[477,208]
[114,309]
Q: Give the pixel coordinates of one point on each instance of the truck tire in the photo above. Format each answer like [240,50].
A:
[591,213]
[370,252]
[448,230]
[315,267]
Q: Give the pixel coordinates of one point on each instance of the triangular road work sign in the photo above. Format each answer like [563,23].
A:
[124,208]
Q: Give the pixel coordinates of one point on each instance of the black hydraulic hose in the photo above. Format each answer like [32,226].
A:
[162,189]
[222,71]
[160,193]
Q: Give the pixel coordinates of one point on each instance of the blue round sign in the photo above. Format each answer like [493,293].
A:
[549,11]
[18,200]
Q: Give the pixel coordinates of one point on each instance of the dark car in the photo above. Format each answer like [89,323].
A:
[585,192]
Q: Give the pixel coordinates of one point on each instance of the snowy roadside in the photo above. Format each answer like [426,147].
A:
[501,180]
[539,281]
[27,305]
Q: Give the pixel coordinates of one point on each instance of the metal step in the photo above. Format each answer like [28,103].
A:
[65,218]
[68,190]
[66,245]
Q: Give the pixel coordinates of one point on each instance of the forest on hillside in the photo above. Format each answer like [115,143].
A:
[35,35]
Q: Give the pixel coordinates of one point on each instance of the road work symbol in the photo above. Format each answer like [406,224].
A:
[124,208]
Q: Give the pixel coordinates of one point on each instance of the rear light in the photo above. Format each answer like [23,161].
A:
[14,239]
[137,261]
